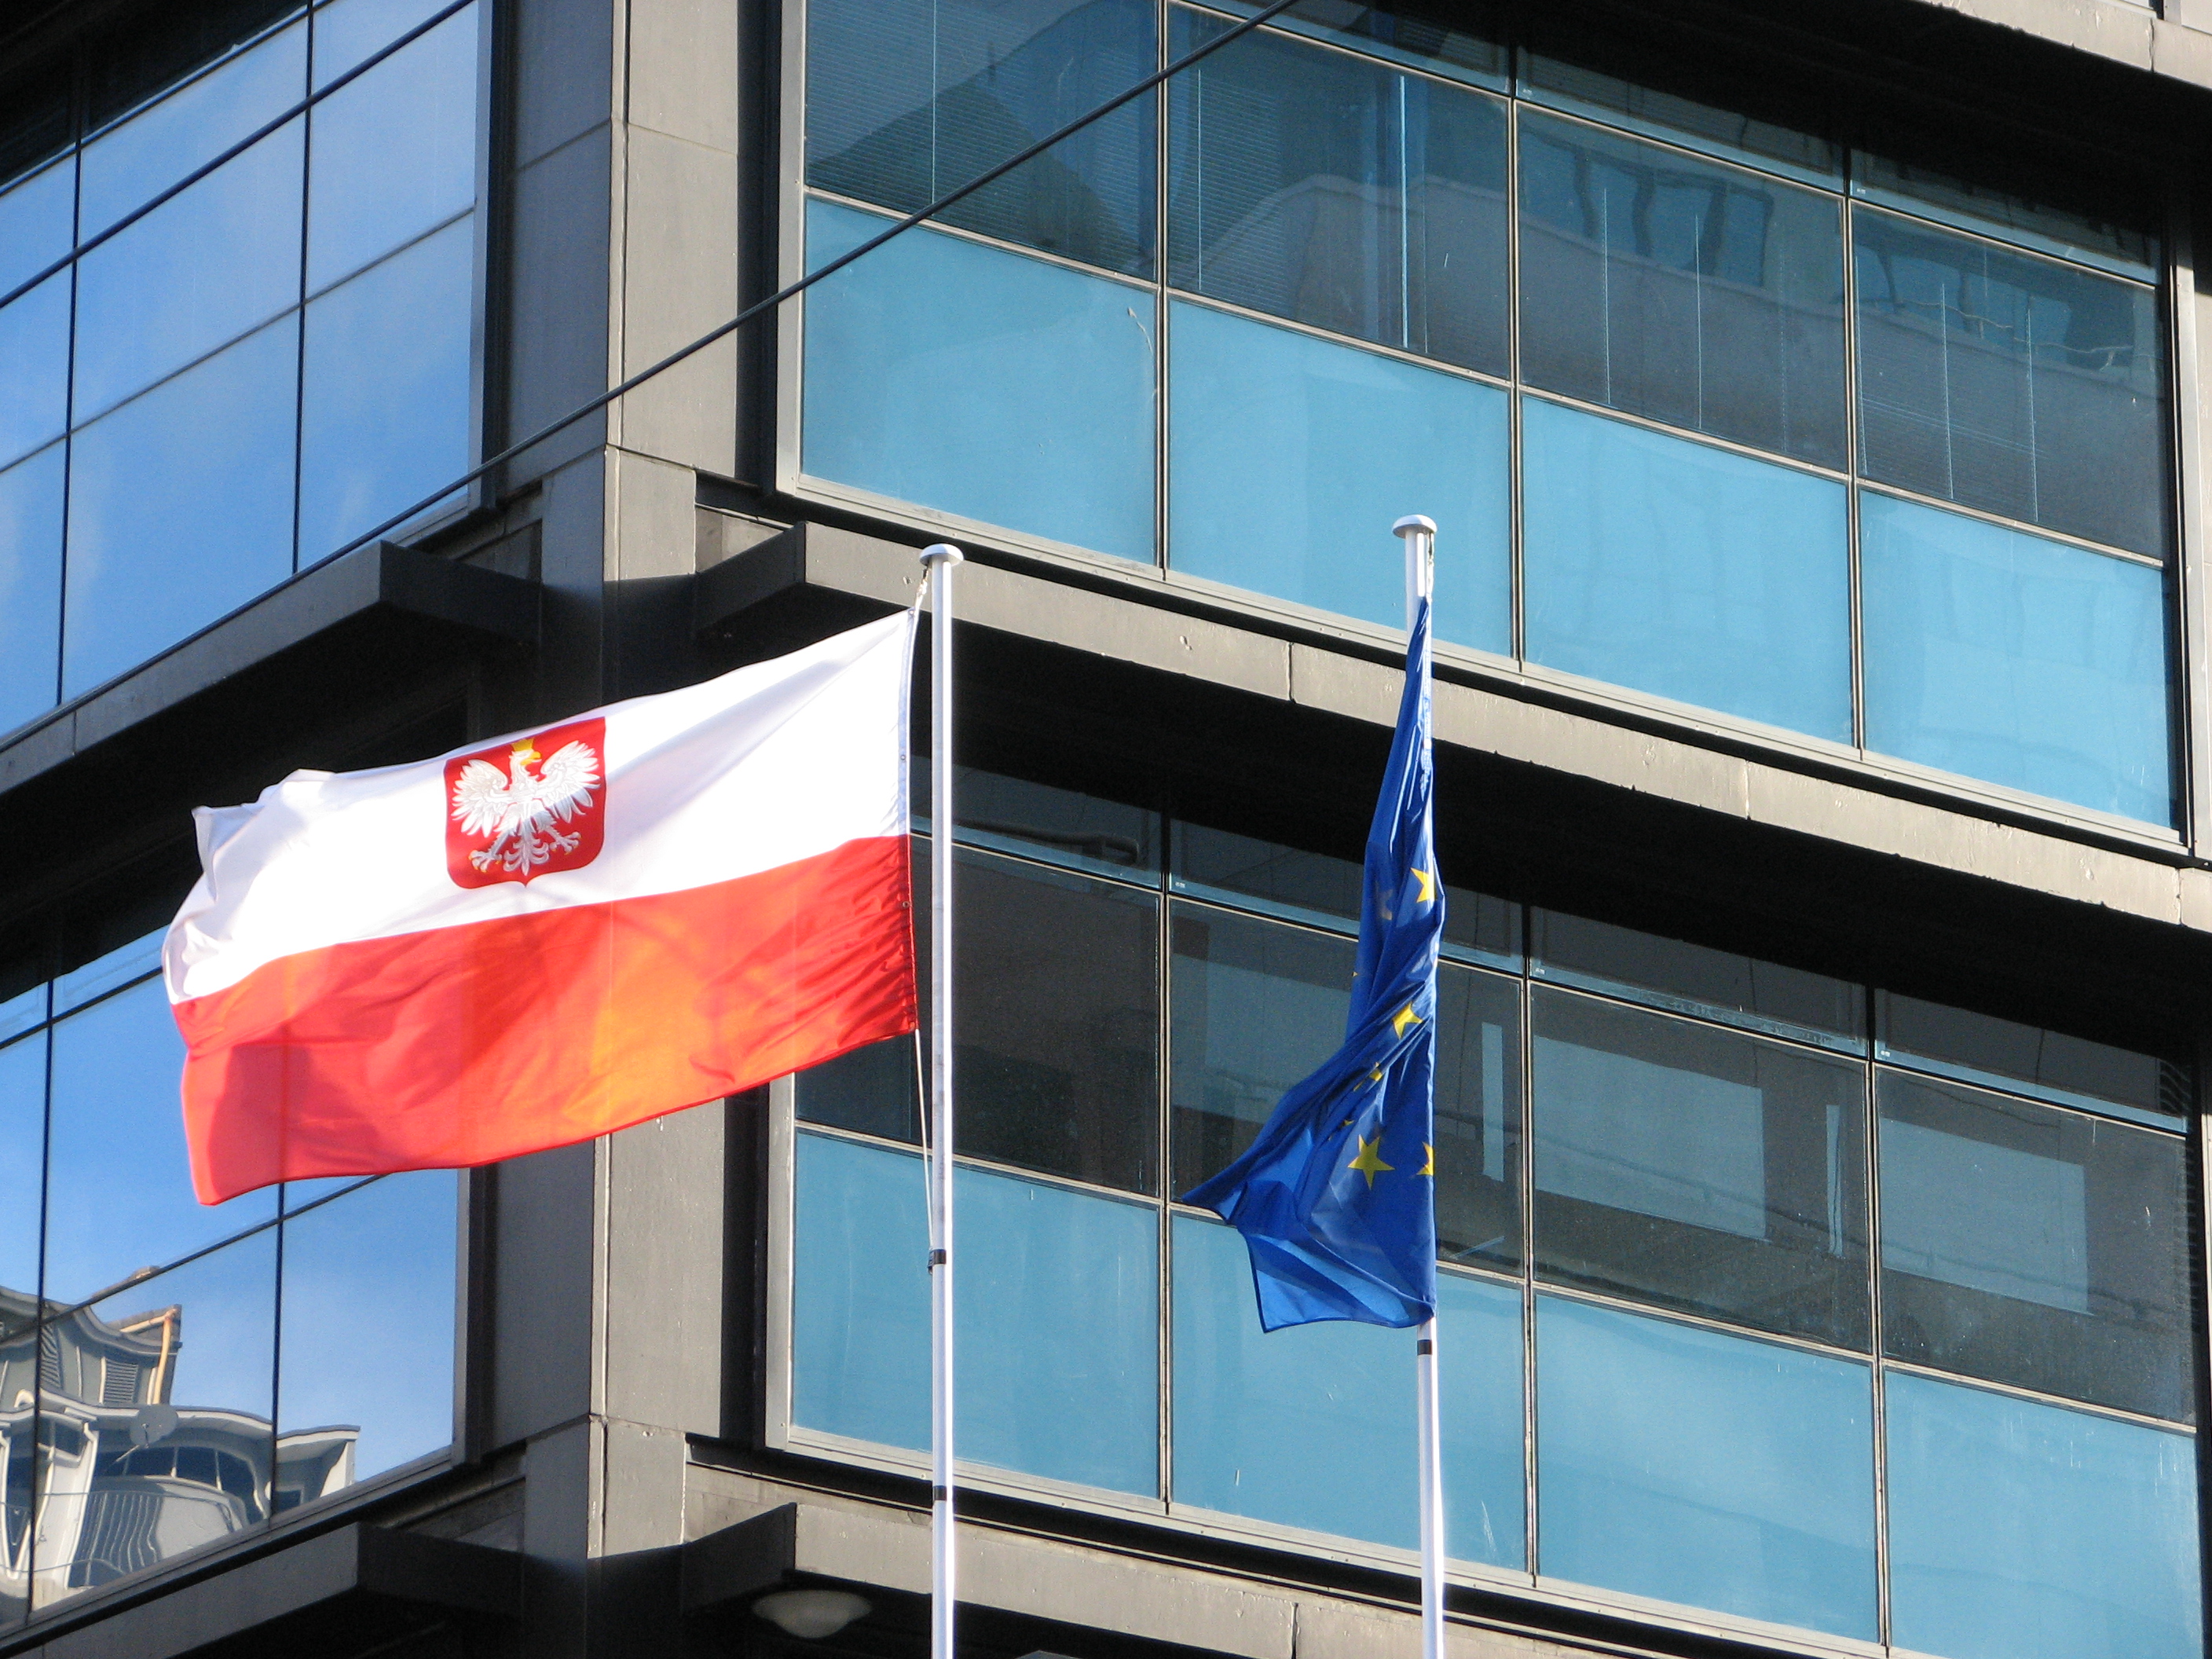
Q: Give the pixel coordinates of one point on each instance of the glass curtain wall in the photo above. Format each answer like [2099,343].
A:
[256,369]
[1705,408]
[1763,1292]
[173,1375]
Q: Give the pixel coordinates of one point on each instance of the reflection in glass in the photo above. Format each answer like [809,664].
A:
[980,383]
[908,98]
[347,30]
[2021,1530]
[119,1190]
[2016,658]
[1700,1170]
[129,164]
[2010,383]
[385,414]
[22,1156]
[1648,110]
[366,1362]
[1039,821]
[37,218]
[1694,979]
[2035,1246]
[30,585]
[194,272]
[1685,570]
[180,507]
[1295,1426]
[154,1434]
[1058,1316]
[1326,188]
[1290,455]
[2068,1069]
[35,343]
[1692,1466]
[2086,238]
[1694,294]
[394,153]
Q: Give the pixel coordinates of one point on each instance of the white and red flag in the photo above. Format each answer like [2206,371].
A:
[537,940]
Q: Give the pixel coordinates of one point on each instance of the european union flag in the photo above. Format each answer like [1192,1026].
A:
[1335,1199]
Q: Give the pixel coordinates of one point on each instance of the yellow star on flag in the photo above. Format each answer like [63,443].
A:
[1429,1168]
[1370,1162]
[1428,885]
[1402,1018]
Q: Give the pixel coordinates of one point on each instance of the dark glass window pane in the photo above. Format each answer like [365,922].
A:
[1700,1170]
[156,1408]
[908,98]
[1290,455]
[1057,1022]
[2013,658]
[30,585]
[1063,826]
[1678,119]
[1058,1322]
[2035,1246]
[180,506]
[194,272]
[2021,1530]
[875,1091]
[1691,979]
[1291,1426]
[1312,185]
[368,1274]
[2086,238]
[385,416]
[1686,570]
[394,152]
[980,383]
[1422,34]
[1257,1006]
[2071,1071]
[1692,1466]
[2010,383]
[1692,292]
[34,345]
[129,164]
[118,1189]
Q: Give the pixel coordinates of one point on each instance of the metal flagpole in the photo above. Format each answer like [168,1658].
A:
[1420,535]
[938,560]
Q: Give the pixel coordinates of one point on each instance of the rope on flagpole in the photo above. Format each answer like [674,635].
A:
[1420,535]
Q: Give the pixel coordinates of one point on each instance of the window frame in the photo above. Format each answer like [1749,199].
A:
[2186,611]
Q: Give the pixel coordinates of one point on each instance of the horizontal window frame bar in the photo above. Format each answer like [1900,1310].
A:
[1936,503]
[1148,286]
[1923,1066]
[1500,93]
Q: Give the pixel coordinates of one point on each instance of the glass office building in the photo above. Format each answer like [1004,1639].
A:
[1811,406]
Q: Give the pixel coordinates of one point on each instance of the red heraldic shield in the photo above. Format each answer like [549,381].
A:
[528,807]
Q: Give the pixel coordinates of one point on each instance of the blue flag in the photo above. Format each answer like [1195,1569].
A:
[1335,1199]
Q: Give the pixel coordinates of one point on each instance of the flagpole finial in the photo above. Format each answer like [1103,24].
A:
[946,553]
[1414,524]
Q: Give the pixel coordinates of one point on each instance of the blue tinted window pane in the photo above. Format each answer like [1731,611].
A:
[980,383]
[194,272]
[120,1191]
[2019,1530]
[38,219]
[347,30]
[1695,293]
[35,343]
[1324,187]
[180,507]
[1290,457]
[1711,1470]
[394,152]
[30,585]
[1685,570]
[384,417]
[1292,1426]
[128,164]
[2005,656]
[1058,1317]
[908,98]
[370,1273]
[22,1140]
[159,1399]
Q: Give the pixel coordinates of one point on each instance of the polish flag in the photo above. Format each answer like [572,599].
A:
[536,940]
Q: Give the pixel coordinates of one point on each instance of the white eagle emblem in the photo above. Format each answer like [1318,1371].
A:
[522,813]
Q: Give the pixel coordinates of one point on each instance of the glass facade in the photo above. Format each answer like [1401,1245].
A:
[246,374]
[175,1375]
[1764,1293]
[1723,413]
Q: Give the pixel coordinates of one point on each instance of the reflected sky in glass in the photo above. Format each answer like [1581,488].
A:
[119,1189]
[22,1133]
[347,30]
[37,221]
[385,410]
[180,507]
[30,584]
[34,344]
